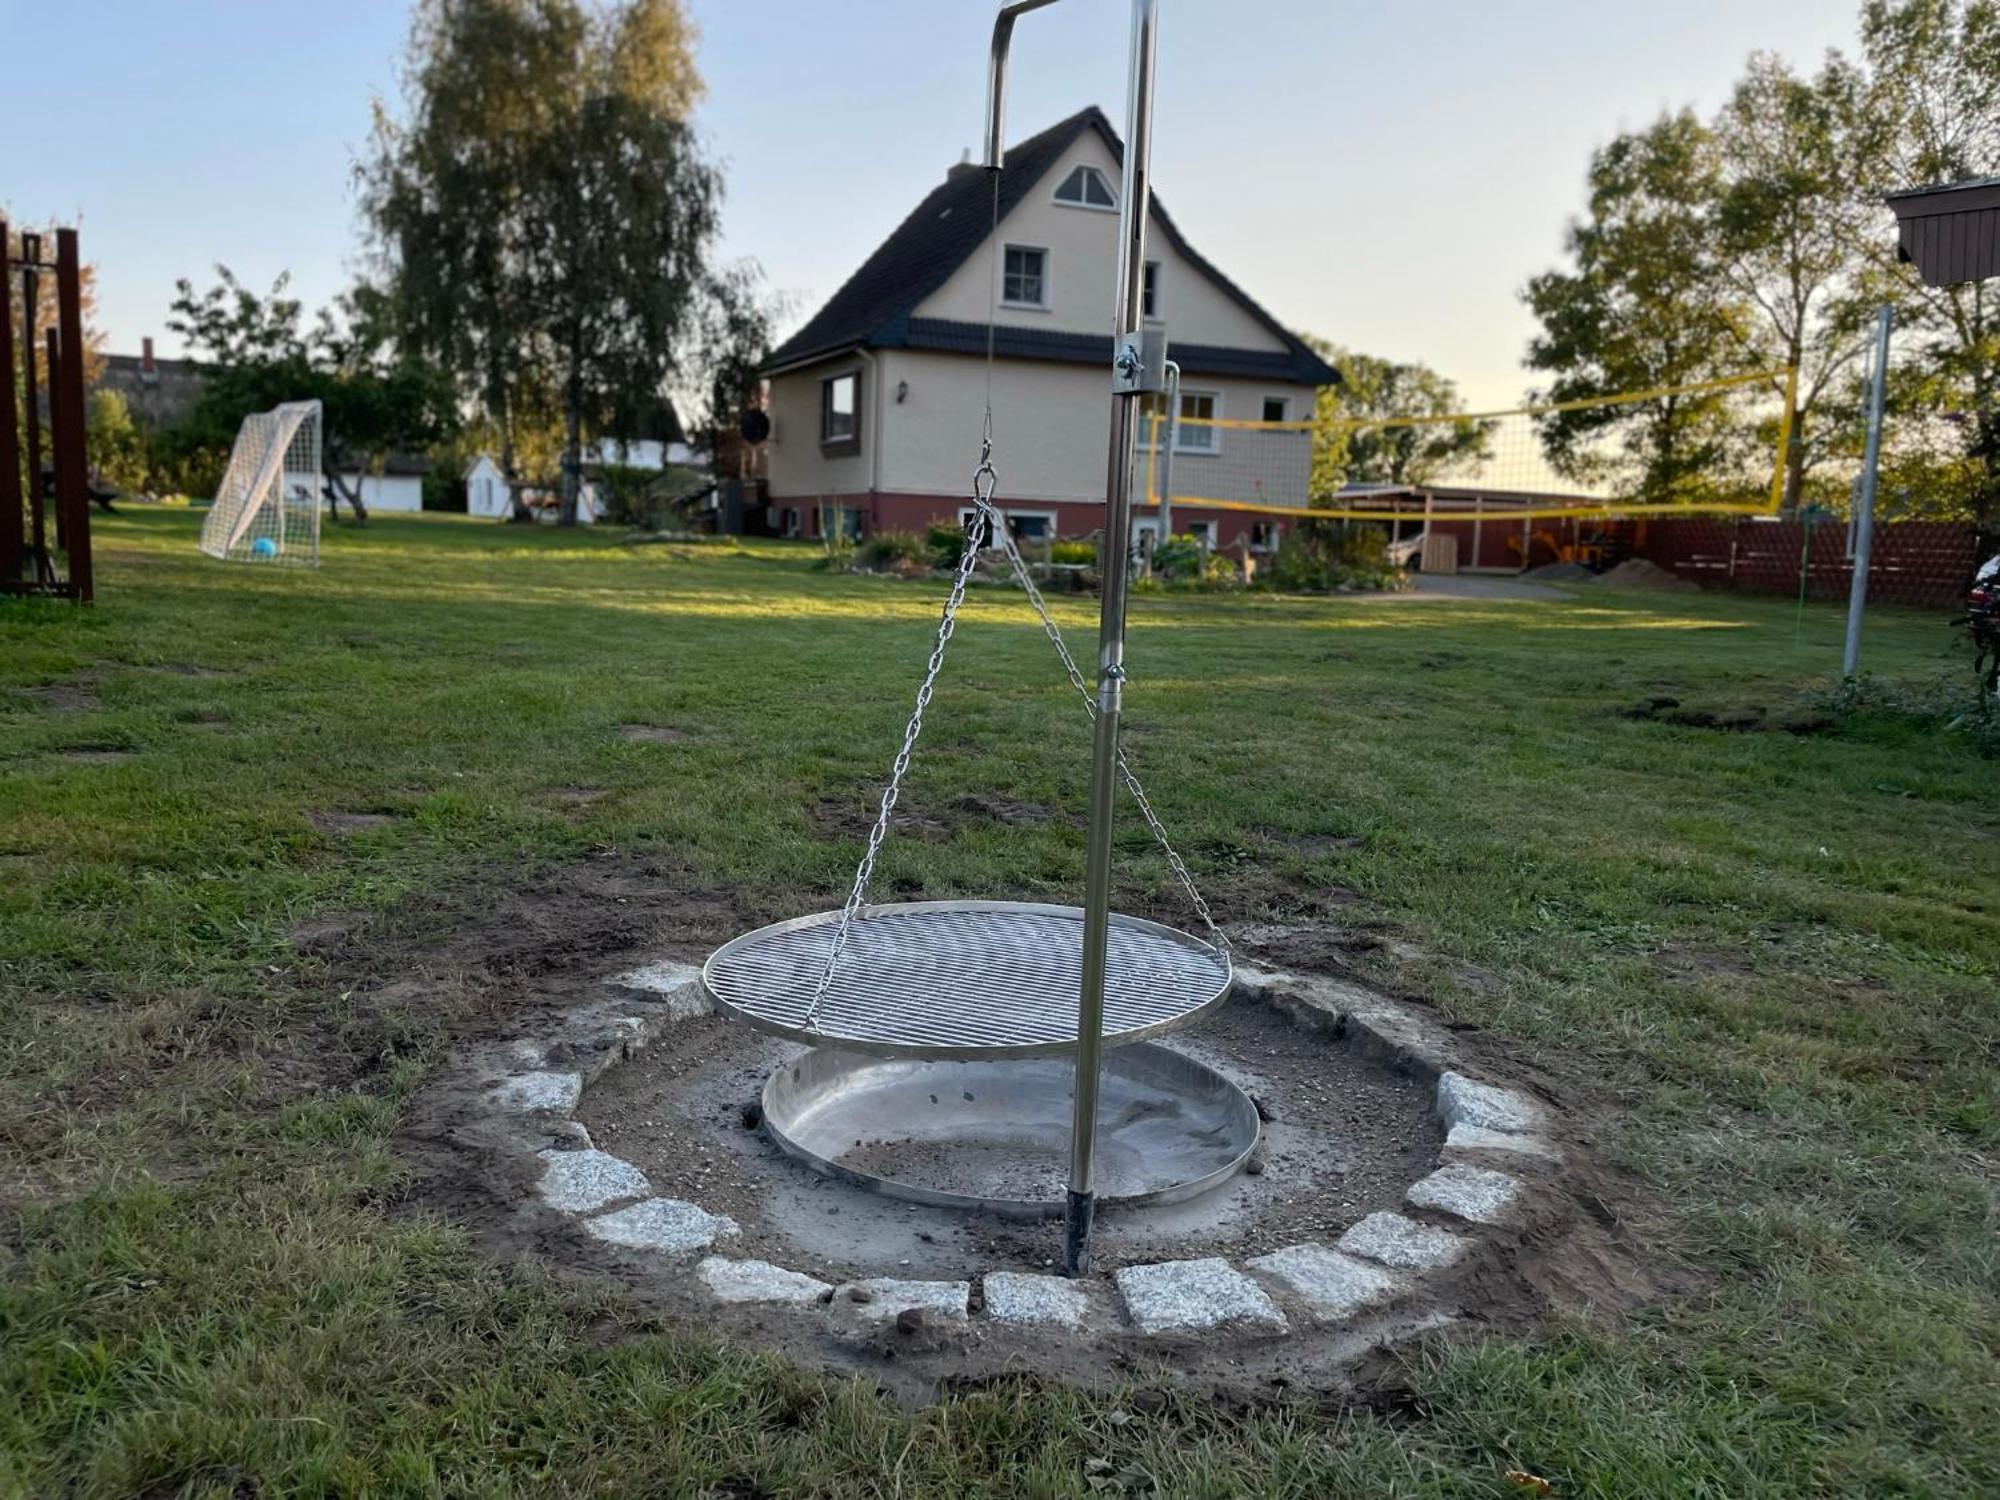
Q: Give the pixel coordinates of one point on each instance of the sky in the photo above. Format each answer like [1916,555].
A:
[1385,176]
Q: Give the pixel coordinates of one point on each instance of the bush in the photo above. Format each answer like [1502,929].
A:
[1073,554]
[944,542]
[891,551]
[1320,556]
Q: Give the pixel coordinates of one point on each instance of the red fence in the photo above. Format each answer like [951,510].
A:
[1911,562]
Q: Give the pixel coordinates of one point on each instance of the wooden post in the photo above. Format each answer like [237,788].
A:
[12,545]
[31,402]
[66,399]
[1478,508]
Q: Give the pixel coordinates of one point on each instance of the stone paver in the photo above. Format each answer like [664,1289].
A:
[1023,1297]
[1468,1192]
[1403,1243]
[885,1296]
[758,1281]
[1331,1285]
[526,1092]
[1193,1296]
[576,1182]
[1479,1138]
[668,1225]
[677,986]
[1466,1101]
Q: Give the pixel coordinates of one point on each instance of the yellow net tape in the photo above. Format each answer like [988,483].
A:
[1712,447]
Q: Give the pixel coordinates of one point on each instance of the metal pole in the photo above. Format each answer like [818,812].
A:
[1128,381]
[1172,437]
[1864,508]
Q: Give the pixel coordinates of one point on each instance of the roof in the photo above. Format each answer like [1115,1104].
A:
[874,308]
[1951,232]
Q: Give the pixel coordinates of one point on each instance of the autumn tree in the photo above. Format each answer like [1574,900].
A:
[1400,454]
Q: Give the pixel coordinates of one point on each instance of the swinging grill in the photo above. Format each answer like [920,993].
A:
[963,979]
[941,983]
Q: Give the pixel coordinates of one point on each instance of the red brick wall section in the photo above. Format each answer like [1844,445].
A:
[1911,562]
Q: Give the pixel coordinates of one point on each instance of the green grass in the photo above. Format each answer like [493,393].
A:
[1771,958]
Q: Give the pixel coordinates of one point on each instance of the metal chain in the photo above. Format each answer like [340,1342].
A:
[984,480]
[1082,686]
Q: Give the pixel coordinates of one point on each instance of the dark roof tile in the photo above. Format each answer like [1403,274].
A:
[873,308]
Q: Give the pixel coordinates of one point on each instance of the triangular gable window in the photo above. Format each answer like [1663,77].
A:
[1085,187]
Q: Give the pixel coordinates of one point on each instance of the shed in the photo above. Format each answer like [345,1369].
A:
[487,492]
[1950,233]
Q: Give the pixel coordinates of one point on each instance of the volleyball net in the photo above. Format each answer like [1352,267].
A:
[1713,447]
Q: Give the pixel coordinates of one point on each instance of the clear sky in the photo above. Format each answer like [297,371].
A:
[1388,176]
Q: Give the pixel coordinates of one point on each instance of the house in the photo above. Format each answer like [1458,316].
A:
[876,403]
[158,392]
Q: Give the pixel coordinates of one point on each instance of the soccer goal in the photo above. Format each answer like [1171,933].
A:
[266,509]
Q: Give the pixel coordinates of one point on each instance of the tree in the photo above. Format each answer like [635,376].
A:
[257,354]
[1791,204]
[1932,105]
[113,444]
[1408,454]
[543,217]
[1644,305]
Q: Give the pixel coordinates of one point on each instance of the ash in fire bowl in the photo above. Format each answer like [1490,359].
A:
[1342,1136]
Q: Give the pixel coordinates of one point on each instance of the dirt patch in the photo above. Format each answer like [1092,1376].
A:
[323,934]
[853,818]
[576,796]
[1739,717]
[77,695]
[1009,810]
[1637,573]
[339,824]
[652,734]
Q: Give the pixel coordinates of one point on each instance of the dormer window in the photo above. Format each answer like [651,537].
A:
[1085,187]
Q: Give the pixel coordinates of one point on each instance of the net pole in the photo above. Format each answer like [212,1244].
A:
[1864,511]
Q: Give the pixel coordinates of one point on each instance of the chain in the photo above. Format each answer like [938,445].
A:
[983,481]
[1082,686]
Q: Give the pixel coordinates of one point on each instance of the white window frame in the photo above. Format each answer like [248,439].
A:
[1075,167]
[1159,293]
[851,442]
[1048,261]
[1204,533]
[1181,444]
[1009,513]
[1284,408]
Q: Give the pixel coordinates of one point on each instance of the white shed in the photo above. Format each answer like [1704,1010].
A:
[487,492]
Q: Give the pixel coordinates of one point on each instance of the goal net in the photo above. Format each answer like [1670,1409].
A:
[266,509]
[1712,447]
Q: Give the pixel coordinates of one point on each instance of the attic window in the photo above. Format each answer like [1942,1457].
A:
[1085,187]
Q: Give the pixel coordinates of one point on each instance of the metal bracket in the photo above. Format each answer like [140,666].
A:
[1139,362]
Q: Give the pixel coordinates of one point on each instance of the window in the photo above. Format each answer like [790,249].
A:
[1149,298]
[1277,409]
[840,412]
[1085,187]
[1204,533]
[1022,525]
[1200,406]
[1024,278]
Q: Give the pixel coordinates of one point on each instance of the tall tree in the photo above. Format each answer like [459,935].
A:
[1933,110]
[1791,203]
[543,214]
[1407,454]
[1643,305]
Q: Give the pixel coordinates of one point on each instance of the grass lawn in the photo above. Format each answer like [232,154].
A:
[1769,958]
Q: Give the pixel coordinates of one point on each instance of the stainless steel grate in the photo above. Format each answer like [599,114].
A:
[963,979]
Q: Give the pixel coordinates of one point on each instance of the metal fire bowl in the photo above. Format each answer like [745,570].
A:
[994,1134]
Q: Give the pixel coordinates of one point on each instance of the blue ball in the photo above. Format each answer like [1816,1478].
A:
[263,547]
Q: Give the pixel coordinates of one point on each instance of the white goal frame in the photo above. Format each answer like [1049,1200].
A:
[266,510]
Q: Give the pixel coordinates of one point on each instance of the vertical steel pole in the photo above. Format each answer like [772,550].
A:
[1864,505]
[1134,209]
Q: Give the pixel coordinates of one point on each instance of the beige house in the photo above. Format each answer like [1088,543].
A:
[876,403]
